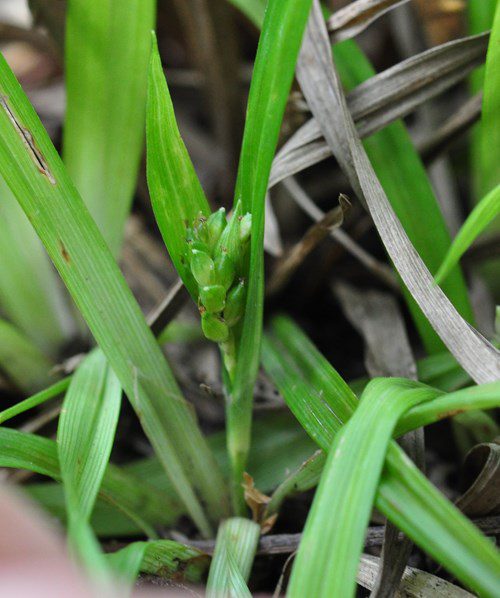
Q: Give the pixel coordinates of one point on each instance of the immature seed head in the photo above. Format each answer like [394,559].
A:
[217,253]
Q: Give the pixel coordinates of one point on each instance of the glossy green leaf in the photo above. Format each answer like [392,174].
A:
[106,56]
[37,177]
[279,44]
[404,495]
[340,513]
[176,193]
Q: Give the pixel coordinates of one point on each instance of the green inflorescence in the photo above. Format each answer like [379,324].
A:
[216,255]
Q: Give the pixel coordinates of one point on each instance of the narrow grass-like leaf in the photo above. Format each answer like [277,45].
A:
[340,512]
[107,521]
[279,44]
[22,361]
[85,438]
[484,396]
[480,18]
[30,295]
[138,497]
[388,352]
[490,117]
[36,175]
[35,400]
[302,479]
[106,55]
[293,364]
[86,432]
[436,525]
[135,497]
[176,193]
[482,215]
[232,561]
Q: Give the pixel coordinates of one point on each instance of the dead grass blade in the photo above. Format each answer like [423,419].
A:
[482,465]
[385,97]
[321,86]
[414,583]
[357,16]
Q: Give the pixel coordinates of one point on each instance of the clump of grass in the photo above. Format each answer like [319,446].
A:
[344,441]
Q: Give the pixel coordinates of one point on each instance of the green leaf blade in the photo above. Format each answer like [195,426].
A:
[279,44]
[480,217]
[39,180]
[86,432]
[447,535]
[234,552]
[106,56]
[340,513]
[176,193]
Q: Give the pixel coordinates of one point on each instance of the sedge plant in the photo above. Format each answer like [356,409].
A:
[78,206]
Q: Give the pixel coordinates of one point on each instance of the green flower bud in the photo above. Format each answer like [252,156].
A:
[213,297]
[224,270]
[235,304]
[214,327]
[216,224]
[245,227]
[202,267]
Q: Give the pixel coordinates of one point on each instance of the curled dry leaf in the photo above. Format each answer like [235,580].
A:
[257,501]
[482,467]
